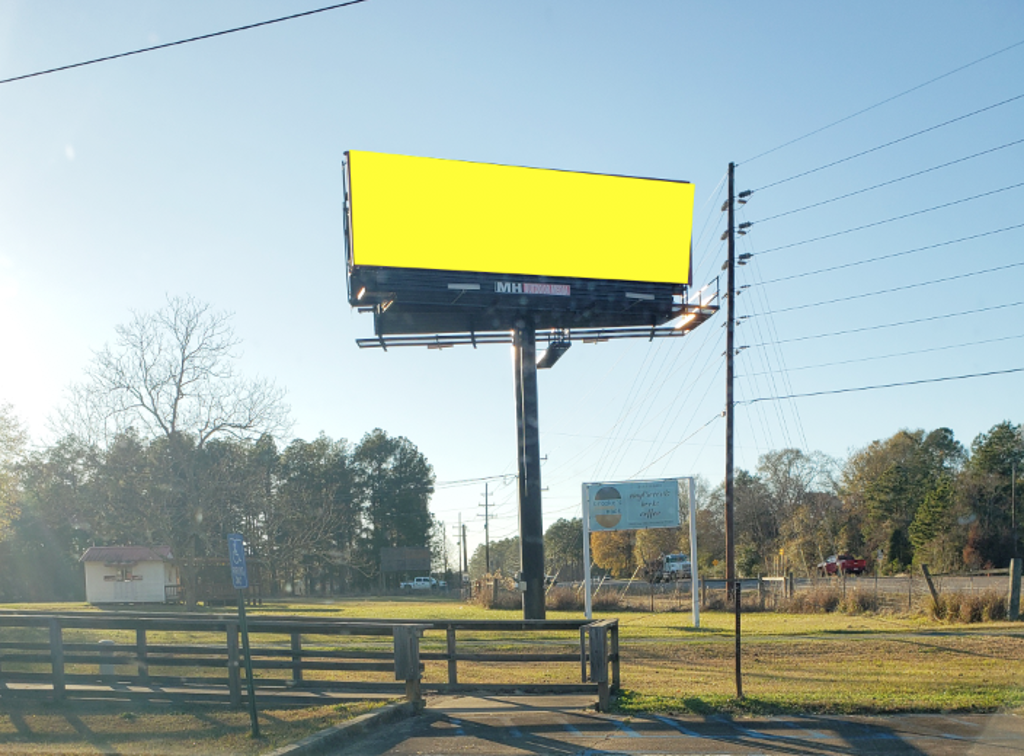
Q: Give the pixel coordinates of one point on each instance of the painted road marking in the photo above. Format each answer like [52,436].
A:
[625,728]
[679,728]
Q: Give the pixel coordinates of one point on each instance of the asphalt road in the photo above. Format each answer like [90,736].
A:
[507,726]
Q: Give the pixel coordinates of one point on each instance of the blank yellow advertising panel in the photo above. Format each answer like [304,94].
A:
[412,212]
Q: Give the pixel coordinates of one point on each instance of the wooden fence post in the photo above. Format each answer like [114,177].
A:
[599,664]
[234,673]
[57,659]
[1013,604]
[453,664]
[142,655]
[296,658]
[407,662]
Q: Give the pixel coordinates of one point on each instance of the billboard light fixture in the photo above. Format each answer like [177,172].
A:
[687,319]
[361,293]
[634,295]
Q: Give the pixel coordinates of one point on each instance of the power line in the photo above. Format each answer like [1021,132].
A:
[890,256]
[890,144]
[888,183]
[891,325]
[716,417]
[883,102]
[862,295]
[884,386]
[183,41]
[891,220]
[891,355]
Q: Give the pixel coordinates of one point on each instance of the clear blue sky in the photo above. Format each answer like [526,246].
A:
[215,169]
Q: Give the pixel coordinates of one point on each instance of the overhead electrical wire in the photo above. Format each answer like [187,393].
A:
[905,92]
[892,355]
[862,153]
[892,220]
[198,38]
[884,385]
[865,294]
[891,325]
[647,467]
[779,355]
[889,183]
[890,256]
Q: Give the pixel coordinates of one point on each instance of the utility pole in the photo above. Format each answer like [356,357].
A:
[458,545]
[487,531]
[733,587]
[730,348]
[465,553]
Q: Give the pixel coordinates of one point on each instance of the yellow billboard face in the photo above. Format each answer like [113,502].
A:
[411,212]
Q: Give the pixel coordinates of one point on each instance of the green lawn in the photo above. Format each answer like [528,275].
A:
[791,663]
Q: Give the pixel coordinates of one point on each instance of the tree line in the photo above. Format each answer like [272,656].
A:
[164,444]
[917,497]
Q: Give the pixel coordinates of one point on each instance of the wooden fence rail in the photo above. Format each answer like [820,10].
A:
[209,657]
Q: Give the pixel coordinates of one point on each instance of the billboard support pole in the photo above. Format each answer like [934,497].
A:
[531,523]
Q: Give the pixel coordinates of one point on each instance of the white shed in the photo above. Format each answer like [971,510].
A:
[129,574]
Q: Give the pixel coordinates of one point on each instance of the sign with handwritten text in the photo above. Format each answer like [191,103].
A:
[632,505]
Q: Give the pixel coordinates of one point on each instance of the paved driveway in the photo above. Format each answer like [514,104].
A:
[509,725]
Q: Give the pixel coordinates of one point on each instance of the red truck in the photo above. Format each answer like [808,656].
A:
[842,564]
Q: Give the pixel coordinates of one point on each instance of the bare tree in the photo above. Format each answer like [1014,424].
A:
[171,377]
[173,372]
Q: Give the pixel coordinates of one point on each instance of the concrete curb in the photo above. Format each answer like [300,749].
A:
[338,735]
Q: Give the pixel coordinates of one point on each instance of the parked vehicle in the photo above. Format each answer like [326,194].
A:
[668,567]
[420,584]
[842,564]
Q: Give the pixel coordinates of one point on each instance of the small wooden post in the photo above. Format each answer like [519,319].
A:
[931,586]
[616,678]
[142,655]
[107,661]
[1013,602]
[234,673]
[57,658]
[453,664]
[583,654]
[296,658]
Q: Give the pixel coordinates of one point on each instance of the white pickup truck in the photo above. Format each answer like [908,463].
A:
[420,584]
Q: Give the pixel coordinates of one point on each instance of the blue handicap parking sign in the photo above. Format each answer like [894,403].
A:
[236,557]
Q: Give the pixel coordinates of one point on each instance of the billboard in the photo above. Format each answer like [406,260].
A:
[404,559]
[632,505]
[445,245]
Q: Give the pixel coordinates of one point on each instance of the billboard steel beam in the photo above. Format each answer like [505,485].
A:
[531,523]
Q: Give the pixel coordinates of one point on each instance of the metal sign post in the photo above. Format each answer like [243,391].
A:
[240,581]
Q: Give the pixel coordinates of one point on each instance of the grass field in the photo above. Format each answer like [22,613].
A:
[791,663]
